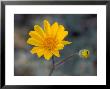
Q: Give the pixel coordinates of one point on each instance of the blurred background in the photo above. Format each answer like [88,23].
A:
[82,30]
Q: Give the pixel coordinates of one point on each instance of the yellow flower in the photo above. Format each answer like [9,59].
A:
[49,41]
[84,53]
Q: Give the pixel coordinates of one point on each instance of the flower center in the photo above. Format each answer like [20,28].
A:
[50,43]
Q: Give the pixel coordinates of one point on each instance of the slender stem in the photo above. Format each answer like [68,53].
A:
[63,61]
[53,66]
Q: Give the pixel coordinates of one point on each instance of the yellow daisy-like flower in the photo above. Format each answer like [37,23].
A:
[49,41]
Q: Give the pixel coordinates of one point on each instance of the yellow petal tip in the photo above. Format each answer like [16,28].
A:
[69,42]
[31,52]
[45,21]
[28,41]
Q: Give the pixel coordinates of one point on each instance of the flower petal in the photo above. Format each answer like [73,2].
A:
[39,30]
[47,27]
[60,46]
[61,34]
[64,34]
[54,28]
[33,41]
[47,54]
[56,53]
[66,42]
[33,50]
[35,35]
[38,50]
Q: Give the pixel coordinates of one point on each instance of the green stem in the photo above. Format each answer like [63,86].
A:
[53,66]
[63,61]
